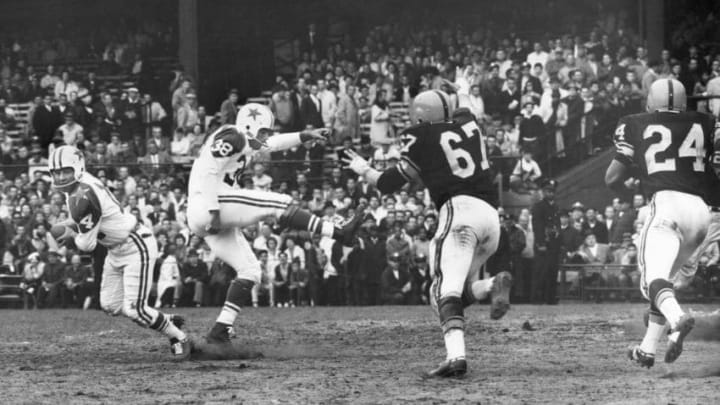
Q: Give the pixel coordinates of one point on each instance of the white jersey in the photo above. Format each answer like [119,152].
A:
[223,159]
[98,214]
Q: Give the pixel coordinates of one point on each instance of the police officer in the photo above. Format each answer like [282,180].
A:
[546,225]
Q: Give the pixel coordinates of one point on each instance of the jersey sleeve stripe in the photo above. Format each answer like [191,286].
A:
[402,172]
[411,163]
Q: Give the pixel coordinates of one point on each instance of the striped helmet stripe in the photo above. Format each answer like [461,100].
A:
[446,108]
[670,95]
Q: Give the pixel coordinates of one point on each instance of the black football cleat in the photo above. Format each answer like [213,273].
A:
[638,356]
[219,334]
[455,368]
[500,295]
[675,347]
[349,230]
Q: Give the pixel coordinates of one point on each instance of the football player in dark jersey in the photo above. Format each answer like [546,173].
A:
[670,147]
[447,153]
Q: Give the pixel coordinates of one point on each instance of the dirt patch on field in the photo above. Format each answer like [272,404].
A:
[575,354]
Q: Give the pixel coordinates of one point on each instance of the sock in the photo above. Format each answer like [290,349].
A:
[296,218]
[455,343]
[163,325]
[656,328]
[668,305]
[481,288]
[233,300]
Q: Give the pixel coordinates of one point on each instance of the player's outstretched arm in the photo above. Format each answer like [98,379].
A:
[387,181]
[290,140]
[615,177]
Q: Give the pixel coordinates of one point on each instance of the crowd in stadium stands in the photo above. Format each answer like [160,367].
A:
[537,98]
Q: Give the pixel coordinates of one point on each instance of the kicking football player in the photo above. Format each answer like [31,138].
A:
[448,155]
[218,209]
[97,217]
[670,147]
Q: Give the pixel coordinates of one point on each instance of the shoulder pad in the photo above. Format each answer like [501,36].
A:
[227,141]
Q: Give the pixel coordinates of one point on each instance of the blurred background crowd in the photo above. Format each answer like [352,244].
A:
[545,103]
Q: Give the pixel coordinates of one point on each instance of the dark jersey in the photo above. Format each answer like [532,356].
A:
[451,160]
[670,149]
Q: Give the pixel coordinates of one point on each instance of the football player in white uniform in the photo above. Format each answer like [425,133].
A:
[218,209]
[97,217]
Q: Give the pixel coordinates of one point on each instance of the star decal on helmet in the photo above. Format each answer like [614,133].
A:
[254,113]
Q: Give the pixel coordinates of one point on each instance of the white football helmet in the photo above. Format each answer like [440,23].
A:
[666,95]
[66,157]
[431,106]
[256,121]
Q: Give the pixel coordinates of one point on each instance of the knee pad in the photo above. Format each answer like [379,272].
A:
[656,289]
[451,313]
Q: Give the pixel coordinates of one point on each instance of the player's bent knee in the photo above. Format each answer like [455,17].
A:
[138,315]
[111,308]
[451,313]
[250,274]
[464,237]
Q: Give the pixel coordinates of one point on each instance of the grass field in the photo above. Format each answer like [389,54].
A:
[576,354]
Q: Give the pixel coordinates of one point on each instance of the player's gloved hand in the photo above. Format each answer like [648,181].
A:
[313,135]
[214,226]
[355,162]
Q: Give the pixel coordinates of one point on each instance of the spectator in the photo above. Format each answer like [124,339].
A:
[265,287]
[594,226]
[33,271]
[399,243]
[179,96]
[153,113]
[180,145]
[281,281]
[70,131]
[65,85]
[155,161]
[570,237]
[294,252]
[347,118]
[509,101]
[169,278]
[592,252]
[187,113]
[299,278]
[229,109]
[45,121]
[525,174]
[327,93]
[195,276]
[396,283]
[260,180]
[380,128]
[51,287]
[79,283]
[311,109]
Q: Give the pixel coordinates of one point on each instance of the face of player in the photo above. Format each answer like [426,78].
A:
[63,177]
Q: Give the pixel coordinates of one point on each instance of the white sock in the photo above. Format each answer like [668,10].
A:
[455,343]
[327,229]
[172,331]
[652,335]
[228,314]
[668,305]
[481,288]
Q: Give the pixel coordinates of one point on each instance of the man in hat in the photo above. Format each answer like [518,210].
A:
[396,282]
[545,224]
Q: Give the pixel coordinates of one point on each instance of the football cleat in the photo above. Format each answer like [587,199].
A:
[181,349]
[349,230]
[455,368]
[676,337]
[640,357]
[500,295]
[219,334]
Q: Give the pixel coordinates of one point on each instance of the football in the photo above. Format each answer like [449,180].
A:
[63,231]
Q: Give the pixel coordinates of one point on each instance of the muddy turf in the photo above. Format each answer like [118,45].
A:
[572,354]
